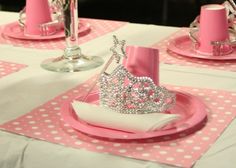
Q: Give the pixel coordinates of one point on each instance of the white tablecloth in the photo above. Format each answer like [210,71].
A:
[23,91]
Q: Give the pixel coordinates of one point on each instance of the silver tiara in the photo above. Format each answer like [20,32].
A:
[125,93]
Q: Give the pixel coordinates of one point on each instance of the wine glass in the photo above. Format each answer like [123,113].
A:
[72,60]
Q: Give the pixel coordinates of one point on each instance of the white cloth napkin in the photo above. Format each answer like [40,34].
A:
[105,117]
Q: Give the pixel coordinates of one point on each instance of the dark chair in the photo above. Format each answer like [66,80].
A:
[12,5]
[139,11]
[162,12]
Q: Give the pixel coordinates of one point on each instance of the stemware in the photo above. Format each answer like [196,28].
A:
[73,60]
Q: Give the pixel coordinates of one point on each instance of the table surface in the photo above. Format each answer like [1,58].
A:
[22,91]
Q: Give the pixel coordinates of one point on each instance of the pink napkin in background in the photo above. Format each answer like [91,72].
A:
[7,68]
[169,57]
[98,28]
[143,61]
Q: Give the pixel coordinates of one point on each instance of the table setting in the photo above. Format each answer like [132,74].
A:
[192,44]
[137,102]
[15,34]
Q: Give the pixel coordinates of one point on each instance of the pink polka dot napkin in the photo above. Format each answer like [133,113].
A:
[98,28]
[45,123]
[7,68]
[173,58]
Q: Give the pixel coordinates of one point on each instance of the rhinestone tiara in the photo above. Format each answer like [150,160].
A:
[125,93]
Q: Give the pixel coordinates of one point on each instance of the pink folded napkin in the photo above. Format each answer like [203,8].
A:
[105,117]
[142,61]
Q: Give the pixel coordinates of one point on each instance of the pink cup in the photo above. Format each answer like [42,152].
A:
[37,13]
[143,61]
[213,27]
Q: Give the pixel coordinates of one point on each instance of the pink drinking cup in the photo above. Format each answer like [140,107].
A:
[37,13]
[213,27]
[142,61]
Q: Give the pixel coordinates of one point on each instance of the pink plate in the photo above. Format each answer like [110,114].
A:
[193,113]
[13,30]
[183,45]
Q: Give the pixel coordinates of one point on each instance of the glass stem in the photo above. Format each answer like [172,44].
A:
[70,11]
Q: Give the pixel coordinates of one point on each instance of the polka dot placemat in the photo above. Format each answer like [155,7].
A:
[45,123]
[98,28]
[173,58]
[7,68]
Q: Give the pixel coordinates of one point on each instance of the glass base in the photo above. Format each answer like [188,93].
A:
[62,64]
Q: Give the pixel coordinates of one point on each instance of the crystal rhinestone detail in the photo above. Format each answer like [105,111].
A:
[125,93]
[118,49]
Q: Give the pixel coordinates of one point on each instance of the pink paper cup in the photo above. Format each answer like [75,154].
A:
[37,13]
[213,27]
[142,61]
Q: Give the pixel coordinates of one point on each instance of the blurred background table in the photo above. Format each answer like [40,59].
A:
[161,12]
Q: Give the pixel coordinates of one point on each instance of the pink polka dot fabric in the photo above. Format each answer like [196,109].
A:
[98,28]
[184,149]
[173,58]
[7,68]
